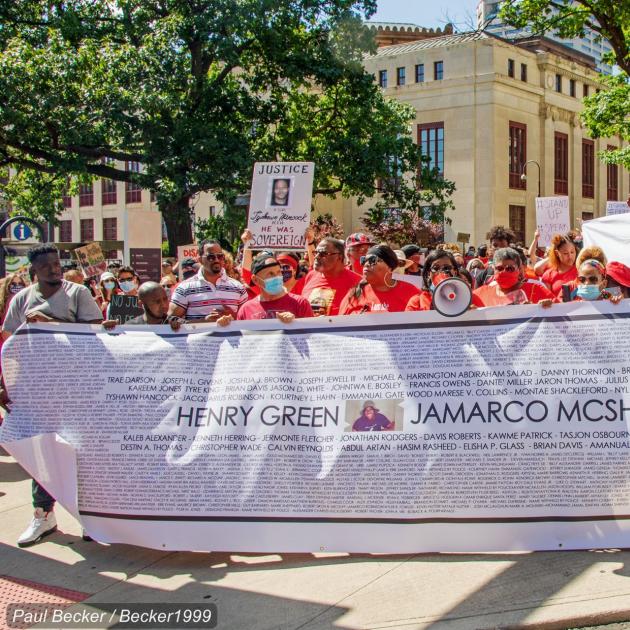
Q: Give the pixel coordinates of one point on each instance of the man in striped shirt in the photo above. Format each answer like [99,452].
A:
[210,293]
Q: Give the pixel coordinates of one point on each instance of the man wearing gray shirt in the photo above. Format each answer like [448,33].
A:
[50,299]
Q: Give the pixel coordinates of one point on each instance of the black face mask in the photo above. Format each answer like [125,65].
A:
[188,274]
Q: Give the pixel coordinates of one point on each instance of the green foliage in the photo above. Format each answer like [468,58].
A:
[196,92]
[225,228]
[606,114]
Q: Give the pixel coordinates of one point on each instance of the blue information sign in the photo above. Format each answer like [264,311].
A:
[21,231]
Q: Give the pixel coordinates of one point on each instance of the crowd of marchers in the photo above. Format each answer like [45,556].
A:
[330,277]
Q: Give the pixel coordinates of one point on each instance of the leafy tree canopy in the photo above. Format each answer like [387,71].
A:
[197,91]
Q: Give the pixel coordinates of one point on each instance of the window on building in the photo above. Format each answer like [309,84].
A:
[400,76]
[108,192]
[438,70]
[391,183]
[65,231]
[585,90]
[87,230]
[86,195]
[517,222]
[419,73]
[561,163]
[133,191]
[511,66]
[382,78]
[213,211]
[518,154]
[110,233]
[431,141]
[67,199]
[612,179]
[588,169]
[524,72]
[587,216]
[558,83]
[572,87]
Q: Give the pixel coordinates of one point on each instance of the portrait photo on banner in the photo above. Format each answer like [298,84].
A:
[374,415]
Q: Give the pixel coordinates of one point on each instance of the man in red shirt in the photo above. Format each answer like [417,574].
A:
[329,281]
[357,245]
[274,301]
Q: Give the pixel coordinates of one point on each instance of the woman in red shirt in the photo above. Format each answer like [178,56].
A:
[378,292]
[561,269]
[509,284]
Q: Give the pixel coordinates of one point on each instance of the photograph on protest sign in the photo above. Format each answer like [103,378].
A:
[374,415]
[280,204]
[184,252]
[91,260]
[552,217]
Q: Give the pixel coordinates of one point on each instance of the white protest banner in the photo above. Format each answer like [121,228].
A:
[612,234]
[186,251]
[280,204]
[504,429]
[552,217]
[617,207]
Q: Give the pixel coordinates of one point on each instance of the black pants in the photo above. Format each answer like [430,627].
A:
[41,498]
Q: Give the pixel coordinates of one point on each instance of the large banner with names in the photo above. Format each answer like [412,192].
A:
[503,429]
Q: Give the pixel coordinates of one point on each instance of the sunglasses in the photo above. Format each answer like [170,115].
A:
[589,280]
[215,256]
[322,253]
[508,268]
[370,261]
[443,269]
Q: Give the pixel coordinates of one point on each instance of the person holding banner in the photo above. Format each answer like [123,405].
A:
[591,283]
[274,301]
[50,299]
[509,284]
[561,267]
[329,281]
[210,293]
[378,292]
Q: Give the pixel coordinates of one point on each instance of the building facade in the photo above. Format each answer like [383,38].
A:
[484,108]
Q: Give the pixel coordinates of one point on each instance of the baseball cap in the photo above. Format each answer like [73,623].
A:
[188,262]
[619,272]
[358,238]
[262,261]
[411,250]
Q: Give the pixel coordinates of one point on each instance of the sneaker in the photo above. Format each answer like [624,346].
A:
[85,536]
[43,523]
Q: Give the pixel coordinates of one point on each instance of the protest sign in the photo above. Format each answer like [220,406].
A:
[185,251]
[552,217]
[492,441]
[617,207]
[91,260]
[124,307]
[280,204]
[612,234]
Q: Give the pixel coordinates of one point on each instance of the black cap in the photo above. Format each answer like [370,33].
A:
[386,254]
[262,261]
[411,250]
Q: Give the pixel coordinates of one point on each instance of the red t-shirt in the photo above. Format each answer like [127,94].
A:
[288,303]
[326,293]
[371,301]
[530,292]
[554,279]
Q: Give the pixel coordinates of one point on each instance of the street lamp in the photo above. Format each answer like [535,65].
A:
[524,177]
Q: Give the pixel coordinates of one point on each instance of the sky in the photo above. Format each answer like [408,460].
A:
[427,13]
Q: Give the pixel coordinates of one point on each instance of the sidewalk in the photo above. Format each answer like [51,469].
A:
[316,591]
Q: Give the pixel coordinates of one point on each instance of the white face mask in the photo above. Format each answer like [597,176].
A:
[127,285]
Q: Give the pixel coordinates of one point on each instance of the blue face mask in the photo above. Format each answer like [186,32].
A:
[274,285]
[127,285]
[109,285]
[588,291]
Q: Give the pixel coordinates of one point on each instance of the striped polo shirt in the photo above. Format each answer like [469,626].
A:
[198,297]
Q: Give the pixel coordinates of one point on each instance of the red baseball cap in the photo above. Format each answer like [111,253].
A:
[619,272]
[358,238]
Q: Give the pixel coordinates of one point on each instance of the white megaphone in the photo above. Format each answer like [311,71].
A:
[452,297]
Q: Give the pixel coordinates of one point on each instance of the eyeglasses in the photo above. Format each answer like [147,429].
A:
[370,261]
[322,253]
[443,269]
[589,280]
[215,256]
[508,268]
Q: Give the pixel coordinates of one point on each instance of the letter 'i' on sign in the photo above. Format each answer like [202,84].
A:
[22,232]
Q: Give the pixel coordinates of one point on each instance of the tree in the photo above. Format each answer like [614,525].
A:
[606,113]
[196,91]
